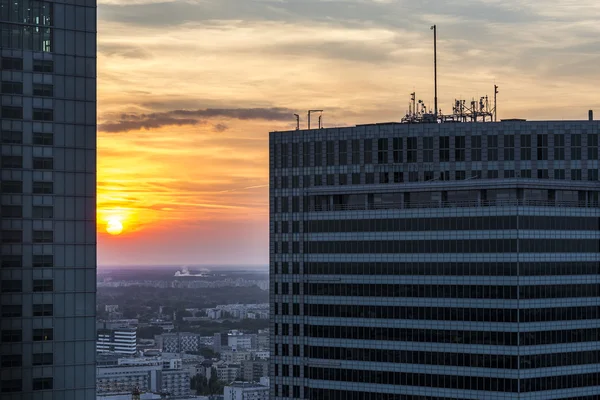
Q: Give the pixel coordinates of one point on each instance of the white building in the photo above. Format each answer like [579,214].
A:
[118,340]
[228,372]
[235,357]
[246,391]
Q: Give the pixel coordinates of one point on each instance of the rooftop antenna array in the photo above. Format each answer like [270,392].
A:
[314,111]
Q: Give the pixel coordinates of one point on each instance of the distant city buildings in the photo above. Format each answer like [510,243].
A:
[118,336]
[436,261]
[180,342]
[246,391]
[188,284]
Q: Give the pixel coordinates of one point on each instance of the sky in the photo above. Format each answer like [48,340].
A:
[188,91]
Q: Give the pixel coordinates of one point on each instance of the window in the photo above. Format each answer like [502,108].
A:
[475,148]
[525,147]
[343,152]
[11,286]
[592,146]
[42,359]
[542,147]
[12,137]
[576,174]
[11,310]
[444,142]
[43,187]
[43,66]
[40,335]
[12,261]
[12,335]
[11,211]
[45,236]
[460,176]
[330,152]
[592,174]
[509,147]
[369,178]
[12,64]
[368,151]
[43,163]
[12,162]
[318,155]
[542,173]
[11,187]
[559,147]
[43,90]
[525,173]
[428,149]
[11,386]
[492,144]
[356,179]
[459,148]
[398,177]
[411,150]
[398,147]
[11,361]
[306,154]
[576,147]
[382,151]
[43,285]
[42,383]
[559,173]
[44,114]
[12,236]
[492,174]
[355,152]
[42,310]
[343,179]
[384,177]
[318,180]
[11,88]
[10,112]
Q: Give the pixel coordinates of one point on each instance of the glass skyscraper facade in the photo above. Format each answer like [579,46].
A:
[436,262]
[48,199]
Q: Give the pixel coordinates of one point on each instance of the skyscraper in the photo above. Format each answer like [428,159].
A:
[48,199]
[436,261]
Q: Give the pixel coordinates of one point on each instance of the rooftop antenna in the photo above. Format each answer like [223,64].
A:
[434,28]
[309,112]
[320,126]
[495,103]
[297,121]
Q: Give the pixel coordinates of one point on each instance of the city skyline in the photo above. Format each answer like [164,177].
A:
[191,187]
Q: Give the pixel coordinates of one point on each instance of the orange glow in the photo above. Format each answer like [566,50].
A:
[114,227]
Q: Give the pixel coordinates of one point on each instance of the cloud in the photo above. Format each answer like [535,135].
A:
[220,127]
[132,121]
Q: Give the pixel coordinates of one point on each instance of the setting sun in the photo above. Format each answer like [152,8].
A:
[114,227]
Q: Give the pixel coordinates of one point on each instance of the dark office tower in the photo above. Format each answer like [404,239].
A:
[48,199]
[436,262]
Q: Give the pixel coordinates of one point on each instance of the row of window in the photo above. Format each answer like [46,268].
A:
[500,361]
[37,212]
[16,310]
[16,137]
[448,268]
[450,313]
[16,187]
[427,176]
[453,336]
[16,385]
[26,37]
[16,112]
[348,152]
[337,394]
[451,291]
[16,335]
[455,382]
[465,223]
[475,246]
[39,89]
[37,261]
[16,360]
[16,286]
[31,12]
[16,64]
[46,163]
[16,236]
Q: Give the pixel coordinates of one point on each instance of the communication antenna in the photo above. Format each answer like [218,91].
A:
[310,112]
[297,121]
[320,118]
[434,28]
[495,103]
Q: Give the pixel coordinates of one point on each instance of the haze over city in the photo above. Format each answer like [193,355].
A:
[188,89]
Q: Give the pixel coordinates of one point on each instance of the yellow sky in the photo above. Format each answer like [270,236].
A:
[192,187]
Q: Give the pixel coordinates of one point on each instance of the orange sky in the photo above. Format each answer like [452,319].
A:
[189,89]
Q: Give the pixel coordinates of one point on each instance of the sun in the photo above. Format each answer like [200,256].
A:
[114,226]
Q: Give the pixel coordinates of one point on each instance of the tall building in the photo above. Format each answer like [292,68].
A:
[48,199]
[436,261]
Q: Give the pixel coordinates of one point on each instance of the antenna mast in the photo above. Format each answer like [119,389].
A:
[434,28]
[297,121]
[495,103]
[309,112]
